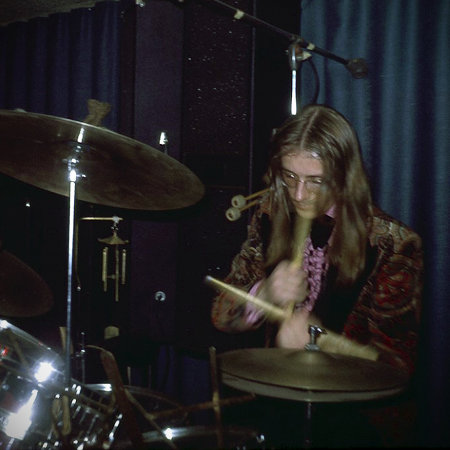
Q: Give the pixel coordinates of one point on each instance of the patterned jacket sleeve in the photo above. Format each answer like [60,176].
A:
[246,269]
[387,312]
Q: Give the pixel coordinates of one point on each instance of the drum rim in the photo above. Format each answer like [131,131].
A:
[30,339]
[107,387]
[201,430]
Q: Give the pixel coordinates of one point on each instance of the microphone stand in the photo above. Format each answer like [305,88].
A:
[357,67]
[295,55]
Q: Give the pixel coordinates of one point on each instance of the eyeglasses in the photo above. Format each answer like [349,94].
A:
[312,184]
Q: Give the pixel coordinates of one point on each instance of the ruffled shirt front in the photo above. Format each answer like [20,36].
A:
[315,264]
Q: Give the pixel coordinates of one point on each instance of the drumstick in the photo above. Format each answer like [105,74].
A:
[241,203]
[302,228]
[238,201]
[272,312]
[234,213]
[330,341]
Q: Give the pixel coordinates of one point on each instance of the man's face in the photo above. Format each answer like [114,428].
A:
[303,175]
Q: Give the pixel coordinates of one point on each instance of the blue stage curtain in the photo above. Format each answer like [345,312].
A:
[53,65]
[401,111]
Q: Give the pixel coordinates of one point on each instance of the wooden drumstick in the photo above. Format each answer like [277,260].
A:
[234,213]
[272,312]
[238,201]
[329,341]
[302,229]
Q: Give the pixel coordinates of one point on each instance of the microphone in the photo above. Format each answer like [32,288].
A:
[357,67]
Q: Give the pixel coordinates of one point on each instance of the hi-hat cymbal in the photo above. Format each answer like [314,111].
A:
[23,293]
[115,170]
[309,375]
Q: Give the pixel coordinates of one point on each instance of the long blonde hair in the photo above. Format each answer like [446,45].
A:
[329,136]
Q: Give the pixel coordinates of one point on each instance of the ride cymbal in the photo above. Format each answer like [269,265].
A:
[115,170]
[309,375]
[23,293]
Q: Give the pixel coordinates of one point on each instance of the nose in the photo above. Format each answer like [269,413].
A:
[300,190]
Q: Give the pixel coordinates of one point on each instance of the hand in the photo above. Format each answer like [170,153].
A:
[294,332]
[285,285]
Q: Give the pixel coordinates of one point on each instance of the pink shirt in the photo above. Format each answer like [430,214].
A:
[315,264]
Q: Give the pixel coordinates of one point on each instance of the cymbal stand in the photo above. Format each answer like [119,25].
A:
[216,396]
[72,163]
[314,332]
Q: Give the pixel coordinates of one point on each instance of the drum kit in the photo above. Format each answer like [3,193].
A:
[41,405]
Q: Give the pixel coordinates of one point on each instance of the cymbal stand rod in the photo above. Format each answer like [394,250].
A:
[72,162]
[216,395]
[72,190]
[307,440]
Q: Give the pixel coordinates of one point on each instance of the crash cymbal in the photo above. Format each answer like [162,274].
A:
[309,375]
[115,170]
[23,293]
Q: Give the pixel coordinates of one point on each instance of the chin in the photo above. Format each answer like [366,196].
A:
[307,214]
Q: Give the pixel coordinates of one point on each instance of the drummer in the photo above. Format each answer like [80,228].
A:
[361,274]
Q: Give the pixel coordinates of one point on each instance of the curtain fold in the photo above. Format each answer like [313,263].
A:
[53,65]
[401,112]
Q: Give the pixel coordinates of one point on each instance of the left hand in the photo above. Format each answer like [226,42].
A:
[294,331]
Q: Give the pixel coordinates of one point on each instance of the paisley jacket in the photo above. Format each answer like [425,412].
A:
[382,308]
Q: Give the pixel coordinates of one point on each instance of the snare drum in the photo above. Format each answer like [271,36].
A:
[82,418]
[28,372]
[37,411]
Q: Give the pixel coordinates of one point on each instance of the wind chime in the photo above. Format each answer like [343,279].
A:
[114,245]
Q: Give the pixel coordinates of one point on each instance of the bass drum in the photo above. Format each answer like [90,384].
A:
[29,372]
